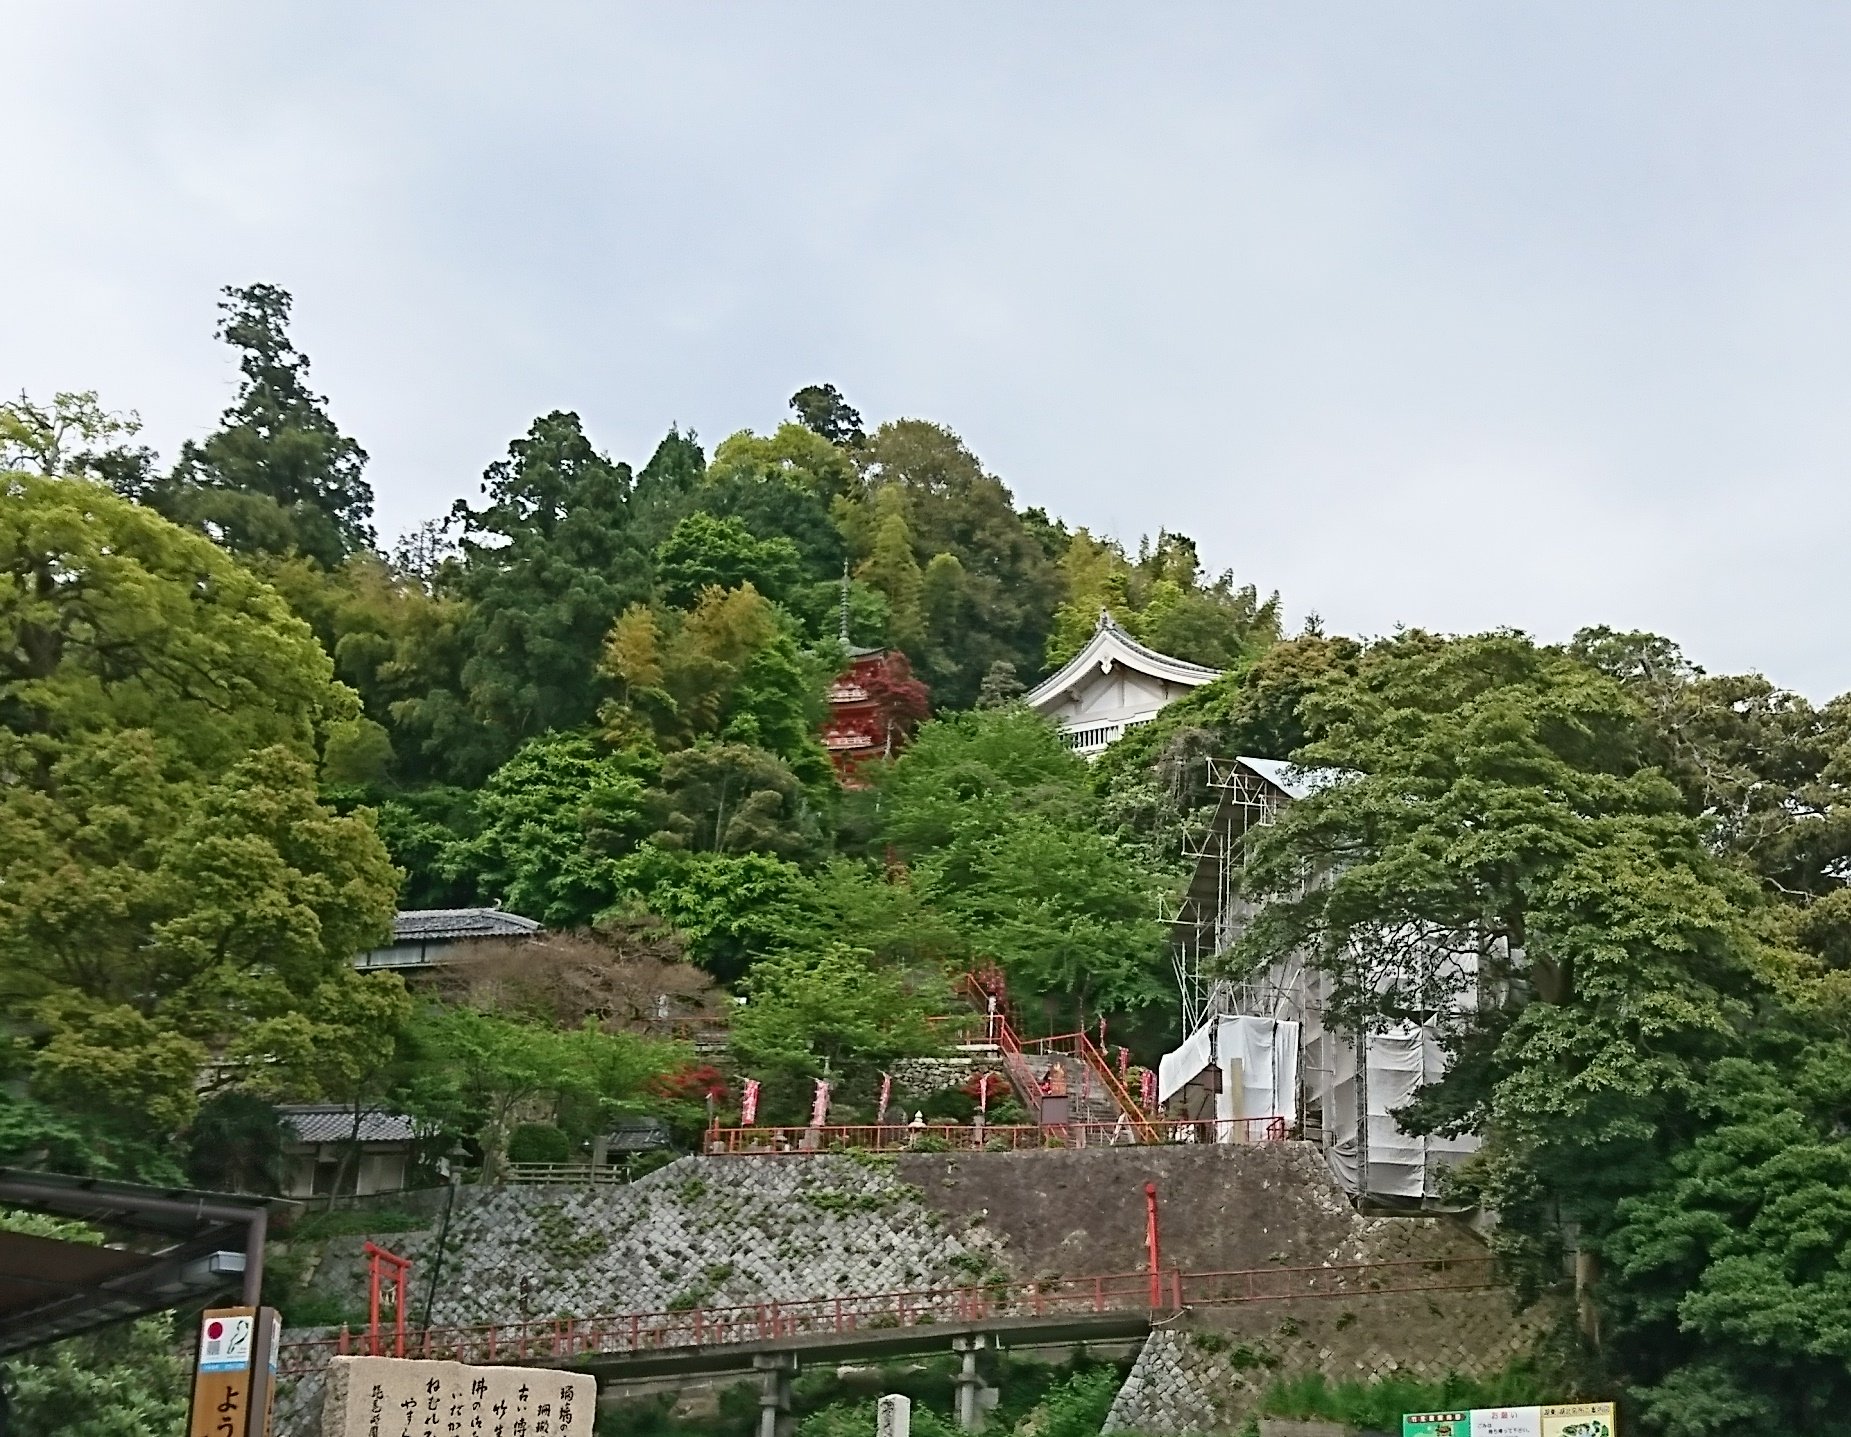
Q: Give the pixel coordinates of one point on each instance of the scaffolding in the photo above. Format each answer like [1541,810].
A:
[1349,1080]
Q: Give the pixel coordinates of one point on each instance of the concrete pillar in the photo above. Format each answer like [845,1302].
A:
[774,1393]
[974,1398]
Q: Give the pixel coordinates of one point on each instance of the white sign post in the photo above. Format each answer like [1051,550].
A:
[894,1417]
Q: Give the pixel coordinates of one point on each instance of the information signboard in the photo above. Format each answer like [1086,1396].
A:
[1580,1419]
[1574,1419]
[1437,1424]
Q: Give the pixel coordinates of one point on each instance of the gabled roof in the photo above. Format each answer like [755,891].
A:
[332,1123]
[412,924]
[1110,645]
[1289,778]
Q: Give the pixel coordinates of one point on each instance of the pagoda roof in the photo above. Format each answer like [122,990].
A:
[1111,645]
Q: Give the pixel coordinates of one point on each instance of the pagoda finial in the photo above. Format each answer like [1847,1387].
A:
[845,642]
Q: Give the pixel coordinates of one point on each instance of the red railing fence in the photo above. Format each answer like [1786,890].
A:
[569,1339]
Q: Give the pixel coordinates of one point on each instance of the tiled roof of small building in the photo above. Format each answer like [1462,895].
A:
[412,924]
[332,1123]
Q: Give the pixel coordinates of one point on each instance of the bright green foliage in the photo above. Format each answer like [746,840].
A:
[977,770]
[1006,586]
[553,819]
[278,476]
[1380,1404]
[1064,910]
[994,812]
[478,1072]
[167,874]
[112,619]
[805,1010]
[705,552]
[548,564]
[1732,1279]
[891,569]
[74,437]
[1077,1407]
[729,668]
[1161,599]
[730,908]
[881,912]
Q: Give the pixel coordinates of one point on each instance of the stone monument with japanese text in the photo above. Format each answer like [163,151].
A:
[409,1397]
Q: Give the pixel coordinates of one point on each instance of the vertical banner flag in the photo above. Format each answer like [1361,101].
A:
[1147,1090]
[1102,1032]
[748,1104]
[1124,1063]
[880,1113]
[983,1093]
[819,1110]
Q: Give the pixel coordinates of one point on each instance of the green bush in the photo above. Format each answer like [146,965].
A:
[1381,1403]
[539,1143]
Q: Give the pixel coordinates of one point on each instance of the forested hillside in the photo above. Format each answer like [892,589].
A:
[237,735]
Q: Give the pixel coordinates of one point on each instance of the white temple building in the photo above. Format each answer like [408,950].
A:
[1112,684]
[1261,1048]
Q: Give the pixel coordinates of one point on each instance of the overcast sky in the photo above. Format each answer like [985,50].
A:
[1457,315]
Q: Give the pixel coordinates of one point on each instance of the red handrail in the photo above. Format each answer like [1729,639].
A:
[960,1137]
[696,1328]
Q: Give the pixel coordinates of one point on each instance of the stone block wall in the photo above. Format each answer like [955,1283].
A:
[1208,1373]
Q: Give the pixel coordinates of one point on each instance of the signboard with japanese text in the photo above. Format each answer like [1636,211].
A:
[1507,1422]
[1437,1424]
[410,1397]
[1580,1419]
[232,1371]
[1575,1419]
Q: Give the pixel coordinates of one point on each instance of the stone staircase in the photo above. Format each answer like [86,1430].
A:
[1091,1103]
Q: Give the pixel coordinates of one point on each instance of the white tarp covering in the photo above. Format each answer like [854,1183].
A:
[1262,1051]
[1267,1051]
[1401,1165]
[1177,1069]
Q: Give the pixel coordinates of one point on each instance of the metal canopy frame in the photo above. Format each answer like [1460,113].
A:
[180,1245]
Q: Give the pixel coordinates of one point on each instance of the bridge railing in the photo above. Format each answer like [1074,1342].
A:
[572,1339]
[1001,1137]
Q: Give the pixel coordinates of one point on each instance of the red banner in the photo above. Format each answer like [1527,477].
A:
[819,1109]
[748,1104]
[880,1113]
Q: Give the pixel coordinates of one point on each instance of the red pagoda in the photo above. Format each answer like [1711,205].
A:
[874,705]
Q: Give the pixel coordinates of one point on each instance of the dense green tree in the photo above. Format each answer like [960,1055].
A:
[478,1072]
[277,476]
[805,1013]
[553,820]
[1729,1297]
[1007,586]
[729,908]
[824,412]
[732,798]
[548,564]
[993,813]
[705,552]
[167,873]
[728,668]
[978,770]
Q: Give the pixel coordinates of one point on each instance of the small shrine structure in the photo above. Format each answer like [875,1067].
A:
[1113,684]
